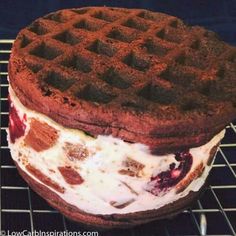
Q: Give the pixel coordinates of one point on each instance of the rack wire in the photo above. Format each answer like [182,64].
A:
[22,209]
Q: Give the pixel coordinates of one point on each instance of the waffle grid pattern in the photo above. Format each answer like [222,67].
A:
[128,58]
[21,208]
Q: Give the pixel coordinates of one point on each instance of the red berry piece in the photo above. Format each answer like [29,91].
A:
[16,125]
[169,178]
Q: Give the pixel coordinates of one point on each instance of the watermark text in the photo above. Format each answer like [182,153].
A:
[49,233]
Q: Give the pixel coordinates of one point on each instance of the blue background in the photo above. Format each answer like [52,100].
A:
[217,15]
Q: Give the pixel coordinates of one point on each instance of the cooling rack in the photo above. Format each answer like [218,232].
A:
[22,209]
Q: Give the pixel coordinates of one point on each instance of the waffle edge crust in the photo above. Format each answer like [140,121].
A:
[140,76]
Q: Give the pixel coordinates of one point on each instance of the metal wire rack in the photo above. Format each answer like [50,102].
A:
[21,209]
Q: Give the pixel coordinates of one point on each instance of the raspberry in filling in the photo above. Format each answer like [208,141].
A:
[169,178]
[16,125]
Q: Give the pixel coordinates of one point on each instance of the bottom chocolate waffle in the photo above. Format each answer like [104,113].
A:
[104,181]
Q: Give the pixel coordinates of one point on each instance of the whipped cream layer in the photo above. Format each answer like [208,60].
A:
[104,175]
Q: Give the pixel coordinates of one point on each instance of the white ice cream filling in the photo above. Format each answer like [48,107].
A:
[103,183]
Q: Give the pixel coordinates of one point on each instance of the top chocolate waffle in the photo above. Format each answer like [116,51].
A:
[141,76]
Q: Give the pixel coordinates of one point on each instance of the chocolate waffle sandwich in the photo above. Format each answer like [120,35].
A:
[116,114]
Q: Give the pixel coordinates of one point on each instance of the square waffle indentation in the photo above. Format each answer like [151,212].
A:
[81,11]
[136,62]
[174,23]
[221,73]
[77,62]
[58,17]
[178,76]
[115,79]
[157,94]
[34,67]
[196,44]
[191,60]
[67,37]
[100,47]
[87,25]
[191,104]
[232,57]
[102,15]
[207,87]
[154,48]
[169,35]
[37,28]
[93,94]
[146,15]
[135,24]
[58,81]
[120,35]
[210,89]
[25,41]
[46,52]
